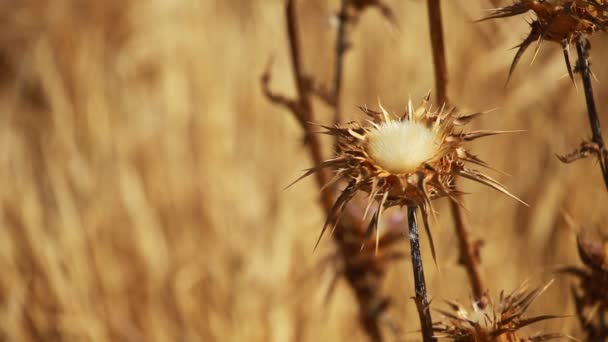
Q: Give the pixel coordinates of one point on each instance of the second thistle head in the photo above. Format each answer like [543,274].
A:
[560,21]
[498,322]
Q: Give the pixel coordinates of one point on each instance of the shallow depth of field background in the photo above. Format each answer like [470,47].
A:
[143,171]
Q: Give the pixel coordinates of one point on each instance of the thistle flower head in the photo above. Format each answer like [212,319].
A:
[559,21]
[403,160]
[500,322]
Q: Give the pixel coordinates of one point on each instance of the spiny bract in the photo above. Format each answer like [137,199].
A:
[405,160]
[499,322]
[559,21]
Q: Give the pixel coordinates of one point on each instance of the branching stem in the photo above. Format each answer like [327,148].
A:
[371,304]
[594,121]
[469,255]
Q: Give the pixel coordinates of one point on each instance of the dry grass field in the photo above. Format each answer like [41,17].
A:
[143,169]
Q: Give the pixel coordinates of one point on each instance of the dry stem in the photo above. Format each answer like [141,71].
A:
[371,304]
[341,46]
[469,254]
[437,43]
[594,122]
[422,300]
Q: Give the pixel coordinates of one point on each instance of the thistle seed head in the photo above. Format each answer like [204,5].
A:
[403,160]
[500,322]
[401,146]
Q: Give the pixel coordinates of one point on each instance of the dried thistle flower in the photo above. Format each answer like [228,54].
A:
[559,21]
[499,322]
[591,294]
[405,160]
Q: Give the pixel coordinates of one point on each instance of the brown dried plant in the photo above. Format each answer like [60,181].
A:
[403,160]
[560,21]
[497,322]
[564,22]
[364,272]
[467,245]
[591,293]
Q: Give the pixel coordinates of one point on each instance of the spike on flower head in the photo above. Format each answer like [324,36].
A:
[403,160]
[559,21]
[496,322]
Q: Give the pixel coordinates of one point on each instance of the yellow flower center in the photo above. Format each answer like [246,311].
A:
[401,146]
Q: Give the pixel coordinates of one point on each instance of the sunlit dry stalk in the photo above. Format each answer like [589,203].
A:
[341,46]
[438,46]
[469,249]
[422,299]
[363,271]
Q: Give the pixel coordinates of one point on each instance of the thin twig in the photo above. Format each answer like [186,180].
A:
[296,63]
[371,303]
[594,121]
[341,46]
[303,103]
[469,254]
[422,300]
[437,42]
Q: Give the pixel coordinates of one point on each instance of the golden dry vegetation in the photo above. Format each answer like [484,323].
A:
[143,169]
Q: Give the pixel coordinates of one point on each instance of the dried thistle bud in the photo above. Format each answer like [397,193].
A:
[499,322]
[559,21]
[403,160]
[593,253]
[591,293]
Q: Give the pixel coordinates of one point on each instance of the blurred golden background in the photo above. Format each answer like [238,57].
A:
[144,169]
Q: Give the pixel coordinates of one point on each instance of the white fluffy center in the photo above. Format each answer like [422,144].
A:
[401,146]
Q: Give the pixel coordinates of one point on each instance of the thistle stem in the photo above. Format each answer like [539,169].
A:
[371,303]
[437,42]
[468,251]
[469,254]
[303,106]
[594,121]
[341,46]
[422,301]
